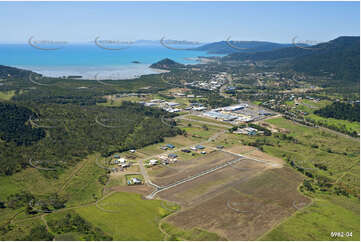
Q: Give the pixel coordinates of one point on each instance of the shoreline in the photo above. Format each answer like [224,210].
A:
[129,71]
[159,70]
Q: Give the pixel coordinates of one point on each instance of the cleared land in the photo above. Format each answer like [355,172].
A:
[332,210]
[163,175]
[245,209]
[127,216]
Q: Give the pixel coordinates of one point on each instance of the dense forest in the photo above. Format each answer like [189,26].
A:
[227,47]
[14,126]
[339,110]
[32,87]
[73,132]
[339,58]
[72,222]
[7,71]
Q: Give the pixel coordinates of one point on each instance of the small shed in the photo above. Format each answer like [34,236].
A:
[172,156]
[200,147]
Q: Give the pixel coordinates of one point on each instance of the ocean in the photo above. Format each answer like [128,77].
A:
[88,60]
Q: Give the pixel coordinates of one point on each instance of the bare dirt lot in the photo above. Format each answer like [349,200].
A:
[252,152]
[207,186]
[241,149]
[163,175]
[140,189]
[244,209]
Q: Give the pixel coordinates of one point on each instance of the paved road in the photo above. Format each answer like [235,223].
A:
[230,82]
[203,173]
[145,174]
[143,171]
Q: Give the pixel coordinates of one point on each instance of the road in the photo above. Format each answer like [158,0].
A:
[203,173]
[229,82]
[141,162]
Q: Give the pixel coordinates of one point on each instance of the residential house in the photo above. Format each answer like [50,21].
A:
[153,162]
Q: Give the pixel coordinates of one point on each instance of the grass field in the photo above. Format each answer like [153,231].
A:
[326,217]
[330,212]
[130,217]
[127,216]
[335,123]
[78,185]
[243,209]
[84,187]
[6,95]
[20,230]
[174,233]
[310,107]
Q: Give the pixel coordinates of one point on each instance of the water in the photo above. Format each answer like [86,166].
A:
[89,60]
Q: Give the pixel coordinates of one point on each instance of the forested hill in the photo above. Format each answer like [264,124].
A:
[228,47]
[7,71]
[338,110]
[166,64]
[340,57]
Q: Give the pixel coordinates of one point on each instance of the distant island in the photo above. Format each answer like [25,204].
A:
[136,62]
[166,64]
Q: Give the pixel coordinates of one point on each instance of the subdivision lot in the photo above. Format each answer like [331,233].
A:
[254,153]
[246,209]
[207,186]
[165,175]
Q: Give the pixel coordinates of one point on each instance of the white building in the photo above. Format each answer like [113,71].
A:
[153,162]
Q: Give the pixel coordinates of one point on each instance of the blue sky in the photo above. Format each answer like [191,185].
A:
[197,21]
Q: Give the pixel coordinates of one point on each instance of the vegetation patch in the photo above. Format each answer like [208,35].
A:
[70,222]
[137,221]
[195,234]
